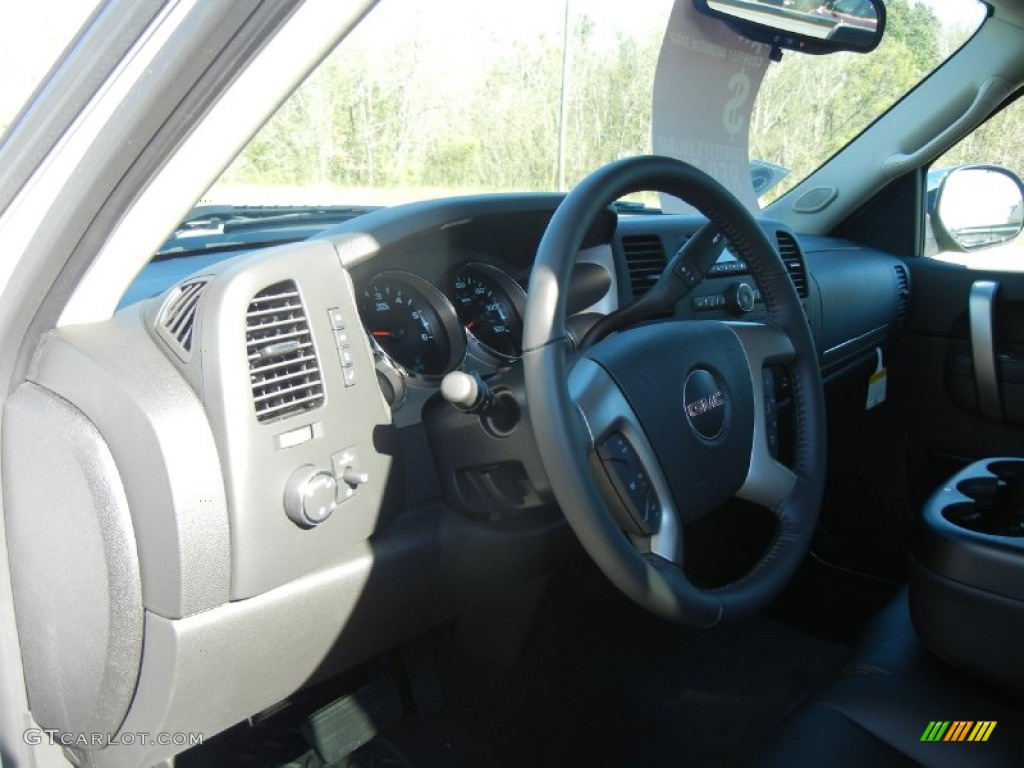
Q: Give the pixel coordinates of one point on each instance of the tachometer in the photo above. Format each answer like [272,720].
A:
[490,305]
[413,323]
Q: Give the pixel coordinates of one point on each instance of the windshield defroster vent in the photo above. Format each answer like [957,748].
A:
[177,319]
[645,260]
[283,366]
[790,253]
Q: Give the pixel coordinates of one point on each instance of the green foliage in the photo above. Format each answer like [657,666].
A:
[372,118]
[916,27]
[397,117]
[808,108]
[1000,141]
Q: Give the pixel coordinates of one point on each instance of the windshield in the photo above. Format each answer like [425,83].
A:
[455,97]
[810,107]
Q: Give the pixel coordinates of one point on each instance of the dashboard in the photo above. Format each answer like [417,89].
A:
[281,456]
[425,330]
[451,296]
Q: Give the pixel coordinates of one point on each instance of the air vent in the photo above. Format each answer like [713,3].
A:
[177,318]
[645,260]
[283,367]
[902,293]
[790,253]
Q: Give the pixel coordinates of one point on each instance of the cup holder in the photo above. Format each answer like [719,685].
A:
[997,501]
[1008,471]
[967,571]
[979,489]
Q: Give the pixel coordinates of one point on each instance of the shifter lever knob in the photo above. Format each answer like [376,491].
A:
[499,413]
[465,391]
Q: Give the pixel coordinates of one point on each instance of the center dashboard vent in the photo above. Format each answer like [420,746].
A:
[790,253]
[645,260]
[283,367]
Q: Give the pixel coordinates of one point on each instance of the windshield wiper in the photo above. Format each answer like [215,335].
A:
[242,216]
[633,208]
[210,228]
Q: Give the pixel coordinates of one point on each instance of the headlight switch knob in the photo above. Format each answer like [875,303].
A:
[310,495]
[739,298]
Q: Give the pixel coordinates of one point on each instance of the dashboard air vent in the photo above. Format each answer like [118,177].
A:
[645,260]
[283,367]
[902,293]
[177,318]
[790,253]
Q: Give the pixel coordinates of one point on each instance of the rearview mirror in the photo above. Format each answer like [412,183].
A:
[808,26]
[975,207]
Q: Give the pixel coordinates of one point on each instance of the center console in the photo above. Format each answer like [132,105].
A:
[967,571]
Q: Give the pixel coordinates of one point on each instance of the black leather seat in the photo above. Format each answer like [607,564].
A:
[877,715]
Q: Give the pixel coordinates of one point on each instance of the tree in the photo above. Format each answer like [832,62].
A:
[810,107]
[439,113]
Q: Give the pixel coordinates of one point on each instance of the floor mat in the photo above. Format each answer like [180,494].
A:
[612,685]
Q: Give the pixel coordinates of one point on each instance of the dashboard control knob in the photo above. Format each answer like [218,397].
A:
[354,477]
[739,298]
[310,495]
[391,382]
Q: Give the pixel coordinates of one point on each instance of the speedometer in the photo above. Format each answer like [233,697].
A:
[413,323]
[490,305]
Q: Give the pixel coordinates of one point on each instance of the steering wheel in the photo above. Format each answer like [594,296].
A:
[654,427]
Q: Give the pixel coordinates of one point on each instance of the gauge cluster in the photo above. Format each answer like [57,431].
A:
[490,306]
[427,329]
[413,323]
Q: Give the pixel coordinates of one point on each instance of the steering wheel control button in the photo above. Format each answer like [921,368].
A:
[689,275]
[704,401]
[632,486]
[771,412]
[310,496]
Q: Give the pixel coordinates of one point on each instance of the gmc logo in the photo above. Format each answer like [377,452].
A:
[705,404]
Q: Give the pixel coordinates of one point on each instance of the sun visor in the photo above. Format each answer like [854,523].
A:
[704,90]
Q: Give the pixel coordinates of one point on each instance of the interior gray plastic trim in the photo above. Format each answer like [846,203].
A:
[990,95]
[981,305]
[814,200]
[267,548]
[74,565]
[769,482]
[92,56]
[159,436]
[602,256]
[206,672]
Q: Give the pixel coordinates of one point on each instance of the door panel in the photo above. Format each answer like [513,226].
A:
[936,380]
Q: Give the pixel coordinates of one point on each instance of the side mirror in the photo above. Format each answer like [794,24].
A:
[975,207]
[808,26]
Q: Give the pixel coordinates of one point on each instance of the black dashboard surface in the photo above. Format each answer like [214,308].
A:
[854,296]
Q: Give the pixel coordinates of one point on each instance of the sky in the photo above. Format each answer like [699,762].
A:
[32,34]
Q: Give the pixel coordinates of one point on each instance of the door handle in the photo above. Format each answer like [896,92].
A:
[981,306]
